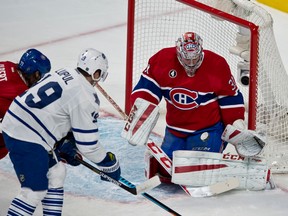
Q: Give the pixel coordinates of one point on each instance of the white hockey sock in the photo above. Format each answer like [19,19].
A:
[25,203]
[53,202]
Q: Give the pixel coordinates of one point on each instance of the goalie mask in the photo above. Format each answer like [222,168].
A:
[91,60]
[190,52]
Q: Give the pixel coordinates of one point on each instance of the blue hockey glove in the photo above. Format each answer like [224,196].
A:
[67,150]
[110,166]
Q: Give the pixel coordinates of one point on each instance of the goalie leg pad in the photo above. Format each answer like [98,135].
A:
[151,165]
[205,168]
[152,168]
[141,121]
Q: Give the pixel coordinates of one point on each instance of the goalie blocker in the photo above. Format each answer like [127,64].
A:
[141,121]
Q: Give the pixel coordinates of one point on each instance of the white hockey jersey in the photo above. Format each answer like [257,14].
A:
[60,101]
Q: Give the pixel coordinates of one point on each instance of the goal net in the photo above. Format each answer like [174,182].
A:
[155,24]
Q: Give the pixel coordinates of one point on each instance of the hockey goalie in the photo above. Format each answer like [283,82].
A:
[205,108]
[196,168]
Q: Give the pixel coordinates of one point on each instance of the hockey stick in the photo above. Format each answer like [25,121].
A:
[124,116]
[130,187]
[147,185]
[114,104]
[151,198]
[160,204]
[204,191]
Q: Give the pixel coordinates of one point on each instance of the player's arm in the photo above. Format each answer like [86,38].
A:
[85,130]
[230,99]
[147,87]
[231,102]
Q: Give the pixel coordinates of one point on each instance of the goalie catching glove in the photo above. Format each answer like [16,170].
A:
[110,166]
[246,142]
[141,121]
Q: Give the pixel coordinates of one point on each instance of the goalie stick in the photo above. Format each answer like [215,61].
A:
[135,190]
[204,191]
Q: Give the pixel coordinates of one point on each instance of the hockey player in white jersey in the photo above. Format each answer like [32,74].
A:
[61,101]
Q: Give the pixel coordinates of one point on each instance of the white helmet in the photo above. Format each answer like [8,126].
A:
[190,52]
[91,60]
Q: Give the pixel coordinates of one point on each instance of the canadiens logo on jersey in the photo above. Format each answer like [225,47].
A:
[184,99]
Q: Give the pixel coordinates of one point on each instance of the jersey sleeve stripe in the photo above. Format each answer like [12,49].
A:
[86,143]
[85,131]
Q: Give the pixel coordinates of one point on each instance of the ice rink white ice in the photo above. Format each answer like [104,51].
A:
[61,29]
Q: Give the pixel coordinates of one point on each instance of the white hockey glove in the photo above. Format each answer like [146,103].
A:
[247,142]
[141,121]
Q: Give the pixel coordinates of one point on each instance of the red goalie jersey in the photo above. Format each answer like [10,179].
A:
[11,85]
[193,103]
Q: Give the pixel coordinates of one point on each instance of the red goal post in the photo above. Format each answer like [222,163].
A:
[155,24]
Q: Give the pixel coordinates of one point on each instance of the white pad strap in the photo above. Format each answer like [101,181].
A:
[196,168]
[141,121]
[246,142]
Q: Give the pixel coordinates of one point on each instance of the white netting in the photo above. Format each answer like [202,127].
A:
[158,23]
